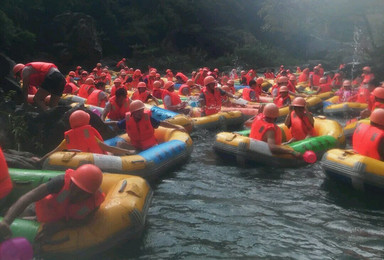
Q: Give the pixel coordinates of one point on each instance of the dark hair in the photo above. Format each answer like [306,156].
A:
[100,85]
[120,92]
[252,82]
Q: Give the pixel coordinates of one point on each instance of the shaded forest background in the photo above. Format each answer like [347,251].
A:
[184,35]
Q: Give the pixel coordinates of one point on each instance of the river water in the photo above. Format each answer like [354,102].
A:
[211,209]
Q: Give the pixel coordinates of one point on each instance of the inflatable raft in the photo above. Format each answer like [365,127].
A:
[174,149]
[120,217]
[221,120]
[360,172]
[247,150]
[350,128]
[331,107]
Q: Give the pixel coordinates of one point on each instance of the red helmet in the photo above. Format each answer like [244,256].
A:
[282,79]
[347,83]
[137,72]
[209,80]
[378,92]
[168,70]
[141,85]
[377,116]
[259,81]
[169,84]
[98,64]
[190,82]
[87,177]
[299,102]
[323,80]
[105,70]
[136,105]
[231,82]
[158,75]
[271,110]
[157,84]
[124,59]
[118,80]
[78,68]
[79,118]
[226,88]
[367,69]
[216,70]
[17,68]
[90,81]
[292,77]
[84,73]
[152,73]
[103,74]
[283,89]
[72,73]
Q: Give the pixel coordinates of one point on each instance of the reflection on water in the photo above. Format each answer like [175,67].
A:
[213,209]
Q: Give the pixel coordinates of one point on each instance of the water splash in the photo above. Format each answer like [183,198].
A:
[356,48]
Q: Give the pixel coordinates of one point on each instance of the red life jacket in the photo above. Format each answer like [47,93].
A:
[135,81]
[212,101]
[150,82]
[233,90]
[182,76]
[175,98]
[303,77]
[363,95]
[269,75]
[141,133]
[200,79]
[42,69]
[325,88]
[368,77]
[118,113]
[140,96]
[70,88]
[5,179]
[182,87]
[93,98]
[83,138]
[83,90]
[291,87]
[300,127]
[247,94]
[338,81]
[55,207]
[282,101]
[260,127]
[374,105]
[114,88]
[224,79]
[366,140]
[315,79]
[157,93]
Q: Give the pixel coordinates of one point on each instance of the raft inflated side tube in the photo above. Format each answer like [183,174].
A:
[316,144]
[162,114]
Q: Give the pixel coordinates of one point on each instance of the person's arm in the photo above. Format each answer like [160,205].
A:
[18,207]
[309,116]
[154,99]
[277,149]
[26,73]
[114,150]
[225,93]
[168,103]
[60,147]
[106,111]
[287,121]
[170,125]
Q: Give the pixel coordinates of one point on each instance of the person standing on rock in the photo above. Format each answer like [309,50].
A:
[46,77]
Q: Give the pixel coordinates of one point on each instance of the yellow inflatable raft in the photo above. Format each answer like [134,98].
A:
[174,149]
[247,150]
[360,172]
[333,108]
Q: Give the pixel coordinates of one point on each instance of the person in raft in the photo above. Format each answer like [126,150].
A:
[117,106]
[65,201]
[5,180]
[210,97]
[172,101]
[46,77]
[368,140]
[265,129]
[84,137]
[140,126]
[300,121]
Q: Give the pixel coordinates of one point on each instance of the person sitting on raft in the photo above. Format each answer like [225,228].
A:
[210,98]
[86,89]
[84,137]
[46,77]
[376,101]
[300,121]
[5,180]
[368,140]
[140,126]
[265,129]
[65,201]
[98,97]
[346,92]
[253,92]
[143,94]
[323,87]
[283,99]
[117,106]
[185,89]
[172,101]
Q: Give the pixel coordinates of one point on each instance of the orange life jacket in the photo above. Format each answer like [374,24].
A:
[93,98]
[55,207]
[366,140]
[282,101]
[83,90]
[175,98]
[182,87]
[141,133]
[84,138]
[140,96]
[70,88]
[114,88]
[260,127]
[157,93]
[224,79]
[368,77]
[315,79]
[182,76]
[118,113]
[300,127]
[212,101]
[200,79]
[303,77]
[373,105]
[291,87]
[150,82]
[247,94]
[363,95]
[5,179]
[325,88]
[42,69]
